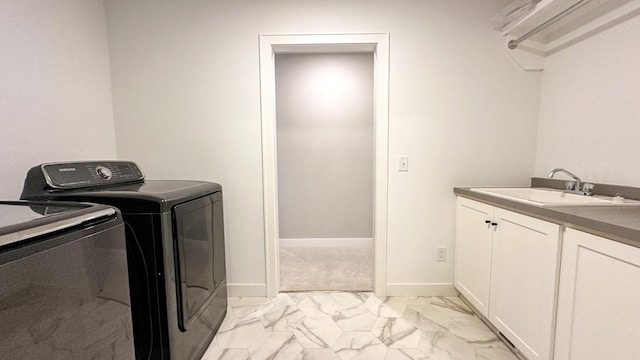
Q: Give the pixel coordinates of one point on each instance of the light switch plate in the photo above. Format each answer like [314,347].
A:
[403,163]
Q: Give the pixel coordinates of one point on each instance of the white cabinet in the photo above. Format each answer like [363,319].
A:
[599,299]
[524,274]
[506,265]
[472,262]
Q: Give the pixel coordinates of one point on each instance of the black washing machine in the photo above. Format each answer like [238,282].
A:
[64,292]
[175,249]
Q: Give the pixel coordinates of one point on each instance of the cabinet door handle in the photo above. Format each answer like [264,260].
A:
[494,224]
[487,221]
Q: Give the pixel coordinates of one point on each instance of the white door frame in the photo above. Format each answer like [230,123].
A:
[270,45]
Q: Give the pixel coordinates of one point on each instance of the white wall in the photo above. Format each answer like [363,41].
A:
[590,108]
[187,104]
[55,91]
[324,127]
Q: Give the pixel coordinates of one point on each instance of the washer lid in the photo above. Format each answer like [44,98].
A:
[22,220]
[152,196]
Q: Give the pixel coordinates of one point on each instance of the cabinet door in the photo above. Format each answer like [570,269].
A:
[524,275]
[472,267]
[598,301]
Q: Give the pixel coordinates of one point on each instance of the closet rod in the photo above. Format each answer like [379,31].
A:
[514,43]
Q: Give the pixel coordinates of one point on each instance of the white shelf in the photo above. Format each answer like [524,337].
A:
[591,18]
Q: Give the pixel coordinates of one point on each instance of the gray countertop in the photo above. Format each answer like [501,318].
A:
[618,223]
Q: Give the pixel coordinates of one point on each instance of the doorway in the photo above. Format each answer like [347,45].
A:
[270,46]
[324,141]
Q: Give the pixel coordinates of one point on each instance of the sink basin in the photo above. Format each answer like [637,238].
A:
[551,197]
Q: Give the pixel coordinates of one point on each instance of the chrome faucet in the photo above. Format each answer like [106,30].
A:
[576,186]
[577,182]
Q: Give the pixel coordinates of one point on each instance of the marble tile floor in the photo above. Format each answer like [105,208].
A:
[345,326]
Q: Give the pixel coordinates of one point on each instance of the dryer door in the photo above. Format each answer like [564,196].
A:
[193,243]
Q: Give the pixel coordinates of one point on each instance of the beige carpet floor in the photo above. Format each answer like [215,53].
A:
[326,268]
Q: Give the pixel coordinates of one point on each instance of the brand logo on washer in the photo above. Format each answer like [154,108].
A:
[67,169]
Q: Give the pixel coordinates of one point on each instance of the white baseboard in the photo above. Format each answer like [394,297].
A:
[413,289]
[395,289]
[239,290]
[327,242]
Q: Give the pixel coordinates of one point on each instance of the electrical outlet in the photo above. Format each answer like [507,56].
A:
[403,163]
[442,254]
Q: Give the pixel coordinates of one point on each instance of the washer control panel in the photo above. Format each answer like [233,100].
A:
[74,175]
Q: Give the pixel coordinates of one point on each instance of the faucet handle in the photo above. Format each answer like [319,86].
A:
[569,185]
[587,189]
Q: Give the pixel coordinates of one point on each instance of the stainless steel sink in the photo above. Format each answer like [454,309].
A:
[552,197]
